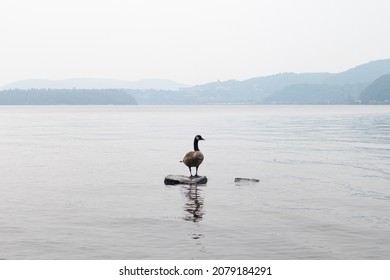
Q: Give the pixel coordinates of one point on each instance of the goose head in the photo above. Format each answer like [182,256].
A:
[198,138]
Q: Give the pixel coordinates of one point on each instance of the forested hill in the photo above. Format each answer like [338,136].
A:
[66,97]
[378,92]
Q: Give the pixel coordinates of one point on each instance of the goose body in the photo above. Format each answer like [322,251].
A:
[195,157]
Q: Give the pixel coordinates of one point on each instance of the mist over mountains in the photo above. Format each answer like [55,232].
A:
[89,83]
[365,84]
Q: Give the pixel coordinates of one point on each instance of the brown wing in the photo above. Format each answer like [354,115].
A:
[193,159]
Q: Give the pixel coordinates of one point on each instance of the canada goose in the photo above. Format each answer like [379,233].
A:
[195,157]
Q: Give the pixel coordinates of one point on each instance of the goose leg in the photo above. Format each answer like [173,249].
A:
[196,174]
[190,171]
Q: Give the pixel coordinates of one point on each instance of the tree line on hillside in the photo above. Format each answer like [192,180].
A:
[66,97]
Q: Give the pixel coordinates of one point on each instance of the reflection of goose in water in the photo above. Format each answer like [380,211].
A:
[194,205]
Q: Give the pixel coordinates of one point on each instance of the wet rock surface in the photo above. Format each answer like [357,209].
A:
[248,180]
[186,180]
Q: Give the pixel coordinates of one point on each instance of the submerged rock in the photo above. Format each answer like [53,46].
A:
[180,179]
[241,180]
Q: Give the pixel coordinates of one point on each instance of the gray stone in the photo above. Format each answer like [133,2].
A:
[186,180]
[241,180]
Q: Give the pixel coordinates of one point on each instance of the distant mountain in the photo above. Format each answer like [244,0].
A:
[155,84]
[287,88]
[362,74]
[255,89]
[284,88]
[316,94]
[378,91]
[341,88]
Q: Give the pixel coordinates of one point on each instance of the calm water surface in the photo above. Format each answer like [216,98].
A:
[87,182]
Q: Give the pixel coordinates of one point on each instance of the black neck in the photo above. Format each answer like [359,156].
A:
[196,148]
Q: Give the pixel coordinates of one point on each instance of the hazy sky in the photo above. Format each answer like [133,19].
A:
[190,41]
